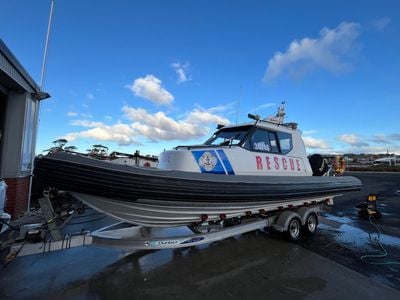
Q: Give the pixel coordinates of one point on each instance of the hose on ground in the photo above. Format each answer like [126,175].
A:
[368,258]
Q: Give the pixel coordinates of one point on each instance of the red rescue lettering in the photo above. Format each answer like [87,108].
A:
[268,162]
[259,163]
[284,163]
[276,160]
[279,163]
[291,162]
[298,165]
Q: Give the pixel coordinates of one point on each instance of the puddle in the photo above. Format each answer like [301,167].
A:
[359,238]
[342,220]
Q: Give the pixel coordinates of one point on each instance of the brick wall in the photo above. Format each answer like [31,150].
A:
[17,195]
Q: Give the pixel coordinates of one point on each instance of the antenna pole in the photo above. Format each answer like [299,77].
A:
[37,112]
[46,46]
[238,106]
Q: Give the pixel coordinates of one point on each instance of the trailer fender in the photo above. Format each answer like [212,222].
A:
[304,212]
[284,218]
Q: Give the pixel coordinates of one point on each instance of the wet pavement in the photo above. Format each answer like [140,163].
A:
[346,237]
[254,265]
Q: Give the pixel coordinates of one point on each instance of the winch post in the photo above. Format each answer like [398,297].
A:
[48,214]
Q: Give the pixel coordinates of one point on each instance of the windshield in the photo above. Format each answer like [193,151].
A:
[228,136]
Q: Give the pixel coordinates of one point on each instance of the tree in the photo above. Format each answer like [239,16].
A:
[60,143]
[52,150]
[58,146]
[98,151]
[70,148]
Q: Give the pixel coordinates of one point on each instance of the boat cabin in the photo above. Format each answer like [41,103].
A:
[264,147]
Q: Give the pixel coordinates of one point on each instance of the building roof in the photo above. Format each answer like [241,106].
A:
[12,74]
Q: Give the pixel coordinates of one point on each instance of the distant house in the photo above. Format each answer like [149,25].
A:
[19,108]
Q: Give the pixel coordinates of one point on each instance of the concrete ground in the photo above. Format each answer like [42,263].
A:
[255,265]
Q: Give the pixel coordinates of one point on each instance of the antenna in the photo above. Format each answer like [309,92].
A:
[238,106]
[46,46]
[279,117]
[281,112]
[40,96]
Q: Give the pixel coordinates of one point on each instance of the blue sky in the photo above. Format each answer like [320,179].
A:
[151,75]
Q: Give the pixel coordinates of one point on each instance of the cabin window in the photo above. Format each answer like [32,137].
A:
[262,140]
[274,144]
[228,136]
[269,141]
[285,142]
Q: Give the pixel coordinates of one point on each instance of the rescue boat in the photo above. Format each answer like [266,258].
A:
[240,170]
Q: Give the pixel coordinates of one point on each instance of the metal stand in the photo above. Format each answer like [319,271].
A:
[49,216]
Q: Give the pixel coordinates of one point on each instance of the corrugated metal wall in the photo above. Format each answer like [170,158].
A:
[12,72]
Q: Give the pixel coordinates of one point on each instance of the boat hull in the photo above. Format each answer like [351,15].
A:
[90,176]
[153,213]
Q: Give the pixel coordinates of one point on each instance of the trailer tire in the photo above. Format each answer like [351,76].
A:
[311,224]
[294,229]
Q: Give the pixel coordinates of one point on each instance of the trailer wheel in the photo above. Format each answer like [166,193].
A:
[294,229]
[310,226]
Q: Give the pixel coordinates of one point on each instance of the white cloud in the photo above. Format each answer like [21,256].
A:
[394,136]
[330,51]
[108,118]
[309,132]
[314,143]
[72,114]
[149,87]
[381,23]
[226,108]
[87,116]
[85,123]
[159,126]
[386,139]
[262,107]
[352,139]
[149,126]
[85,105]
[381,139]
[123,134]
[182,71]
[90,96]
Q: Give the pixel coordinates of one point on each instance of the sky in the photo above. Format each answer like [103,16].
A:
[151,75]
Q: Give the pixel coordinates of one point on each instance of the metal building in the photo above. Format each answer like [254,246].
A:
[19,109]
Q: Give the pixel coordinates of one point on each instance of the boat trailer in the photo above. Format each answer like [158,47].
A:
[291,220]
